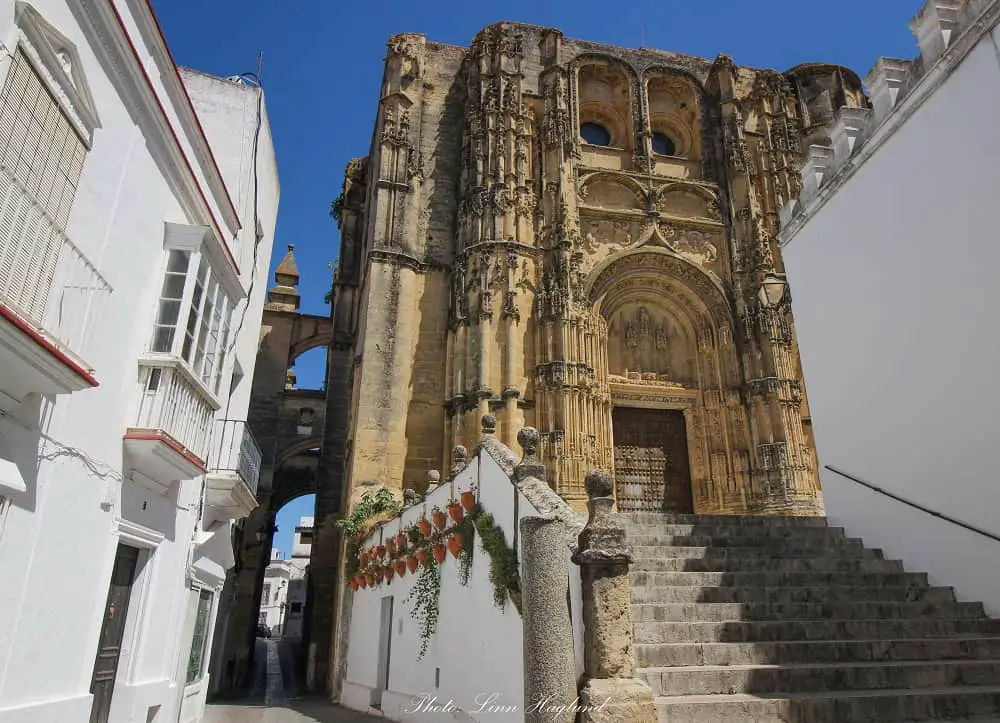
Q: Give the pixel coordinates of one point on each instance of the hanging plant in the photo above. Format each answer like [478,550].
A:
[422,557]
[440,518]
[503,562]
[455,511]
[400,541]
[400,566]
[426,596]
[466,530]
[440,553]
[389,572]
[390,547]
[412,563]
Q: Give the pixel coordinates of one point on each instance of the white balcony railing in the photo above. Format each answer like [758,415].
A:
[173,402]
[43,276]
[234,449]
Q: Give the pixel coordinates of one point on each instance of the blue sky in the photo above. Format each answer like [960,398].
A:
[323,66]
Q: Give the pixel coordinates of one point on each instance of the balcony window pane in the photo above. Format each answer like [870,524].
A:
[170,300]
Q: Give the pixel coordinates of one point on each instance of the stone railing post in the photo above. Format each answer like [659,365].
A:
[549,664]
[610,692]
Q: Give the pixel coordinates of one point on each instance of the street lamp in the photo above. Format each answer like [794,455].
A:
[263,533]
[772,290]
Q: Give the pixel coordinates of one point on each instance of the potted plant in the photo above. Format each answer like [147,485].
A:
[363,558]
[354,584]
[455,511]
[422,557]
[439,517]
[370,579]
[412,562]
[455,544]
[439,553]
[389,572]
[425,527]
[380,552]
[469,499]
[362,581]
[390,546]
[400,566]
[400,541]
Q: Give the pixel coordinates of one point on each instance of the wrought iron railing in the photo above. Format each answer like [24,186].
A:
[171,401]
[44,277]
[914,505]
[234,449]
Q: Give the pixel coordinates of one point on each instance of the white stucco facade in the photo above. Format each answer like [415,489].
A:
[109,441]
[283,596]
[890,261]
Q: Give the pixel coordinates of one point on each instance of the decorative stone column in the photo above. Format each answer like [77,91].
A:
[549,665]
[611,692]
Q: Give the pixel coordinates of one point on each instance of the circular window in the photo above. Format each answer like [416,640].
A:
[595,134]
[663,145]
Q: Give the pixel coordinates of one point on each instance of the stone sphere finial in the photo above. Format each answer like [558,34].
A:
[489,424]
[598,484]
[528,439]
[459,453]
[409,496]
[433,477]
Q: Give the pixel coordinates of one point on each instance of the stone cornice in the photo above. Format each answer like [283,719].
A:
[393,257]
[153,34]
[915,97]
[102,21]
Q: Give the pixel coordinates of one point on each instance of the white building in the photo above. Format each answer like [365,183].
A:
[137,203]
[283,596]
[891,256]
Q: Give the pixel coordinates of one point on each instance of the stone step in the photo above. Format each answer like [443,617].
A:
[746,631]
[775,579]
[665,535]
[850,610]
[766,564]
[730,679]
[817,651]
[632,518]
[884,706]
[775,548]
[787,594]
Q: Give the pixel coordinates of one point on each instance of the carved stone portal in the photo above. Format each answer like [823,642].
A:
[651,460]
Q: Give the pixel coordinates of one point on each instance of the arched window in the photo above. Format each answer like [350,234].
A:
[663,145]
[595,134]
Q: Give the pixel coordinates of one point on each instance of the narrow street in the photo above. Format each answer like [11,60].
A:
[275,698]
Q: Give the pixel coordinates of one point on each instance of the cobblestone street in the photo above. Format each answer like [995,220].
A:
[274,696]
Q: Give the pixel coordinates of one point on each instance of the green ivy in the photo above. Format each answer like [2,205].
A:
[466,528]
[353,526]
[426,598]
[503,561]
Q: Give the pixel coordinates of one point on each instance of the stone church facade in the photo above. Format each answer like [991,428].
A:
[579,238]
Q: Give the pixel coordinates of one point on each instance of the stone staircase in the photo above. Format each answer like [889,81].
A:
[788,619]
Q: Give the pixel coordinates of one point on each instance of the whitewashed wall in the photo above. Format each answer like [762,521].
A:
[895,299]
[58,539]
[474,665]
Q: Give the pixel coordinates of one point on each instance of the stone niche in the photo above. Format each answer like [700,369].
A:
[647,345]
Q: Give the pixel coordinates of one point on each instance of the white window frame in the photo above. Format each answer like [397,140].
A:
[201,332]
[207,637]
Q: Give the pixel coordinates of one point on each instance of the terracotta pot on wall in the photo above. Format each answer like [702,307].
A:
[455,511]
[455,544]
[422,557]
[440,519]
[469,500]
[400,541]
[400,566]
[440,553]
[390,547]
[389,572]
[425,526]
[412,563]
